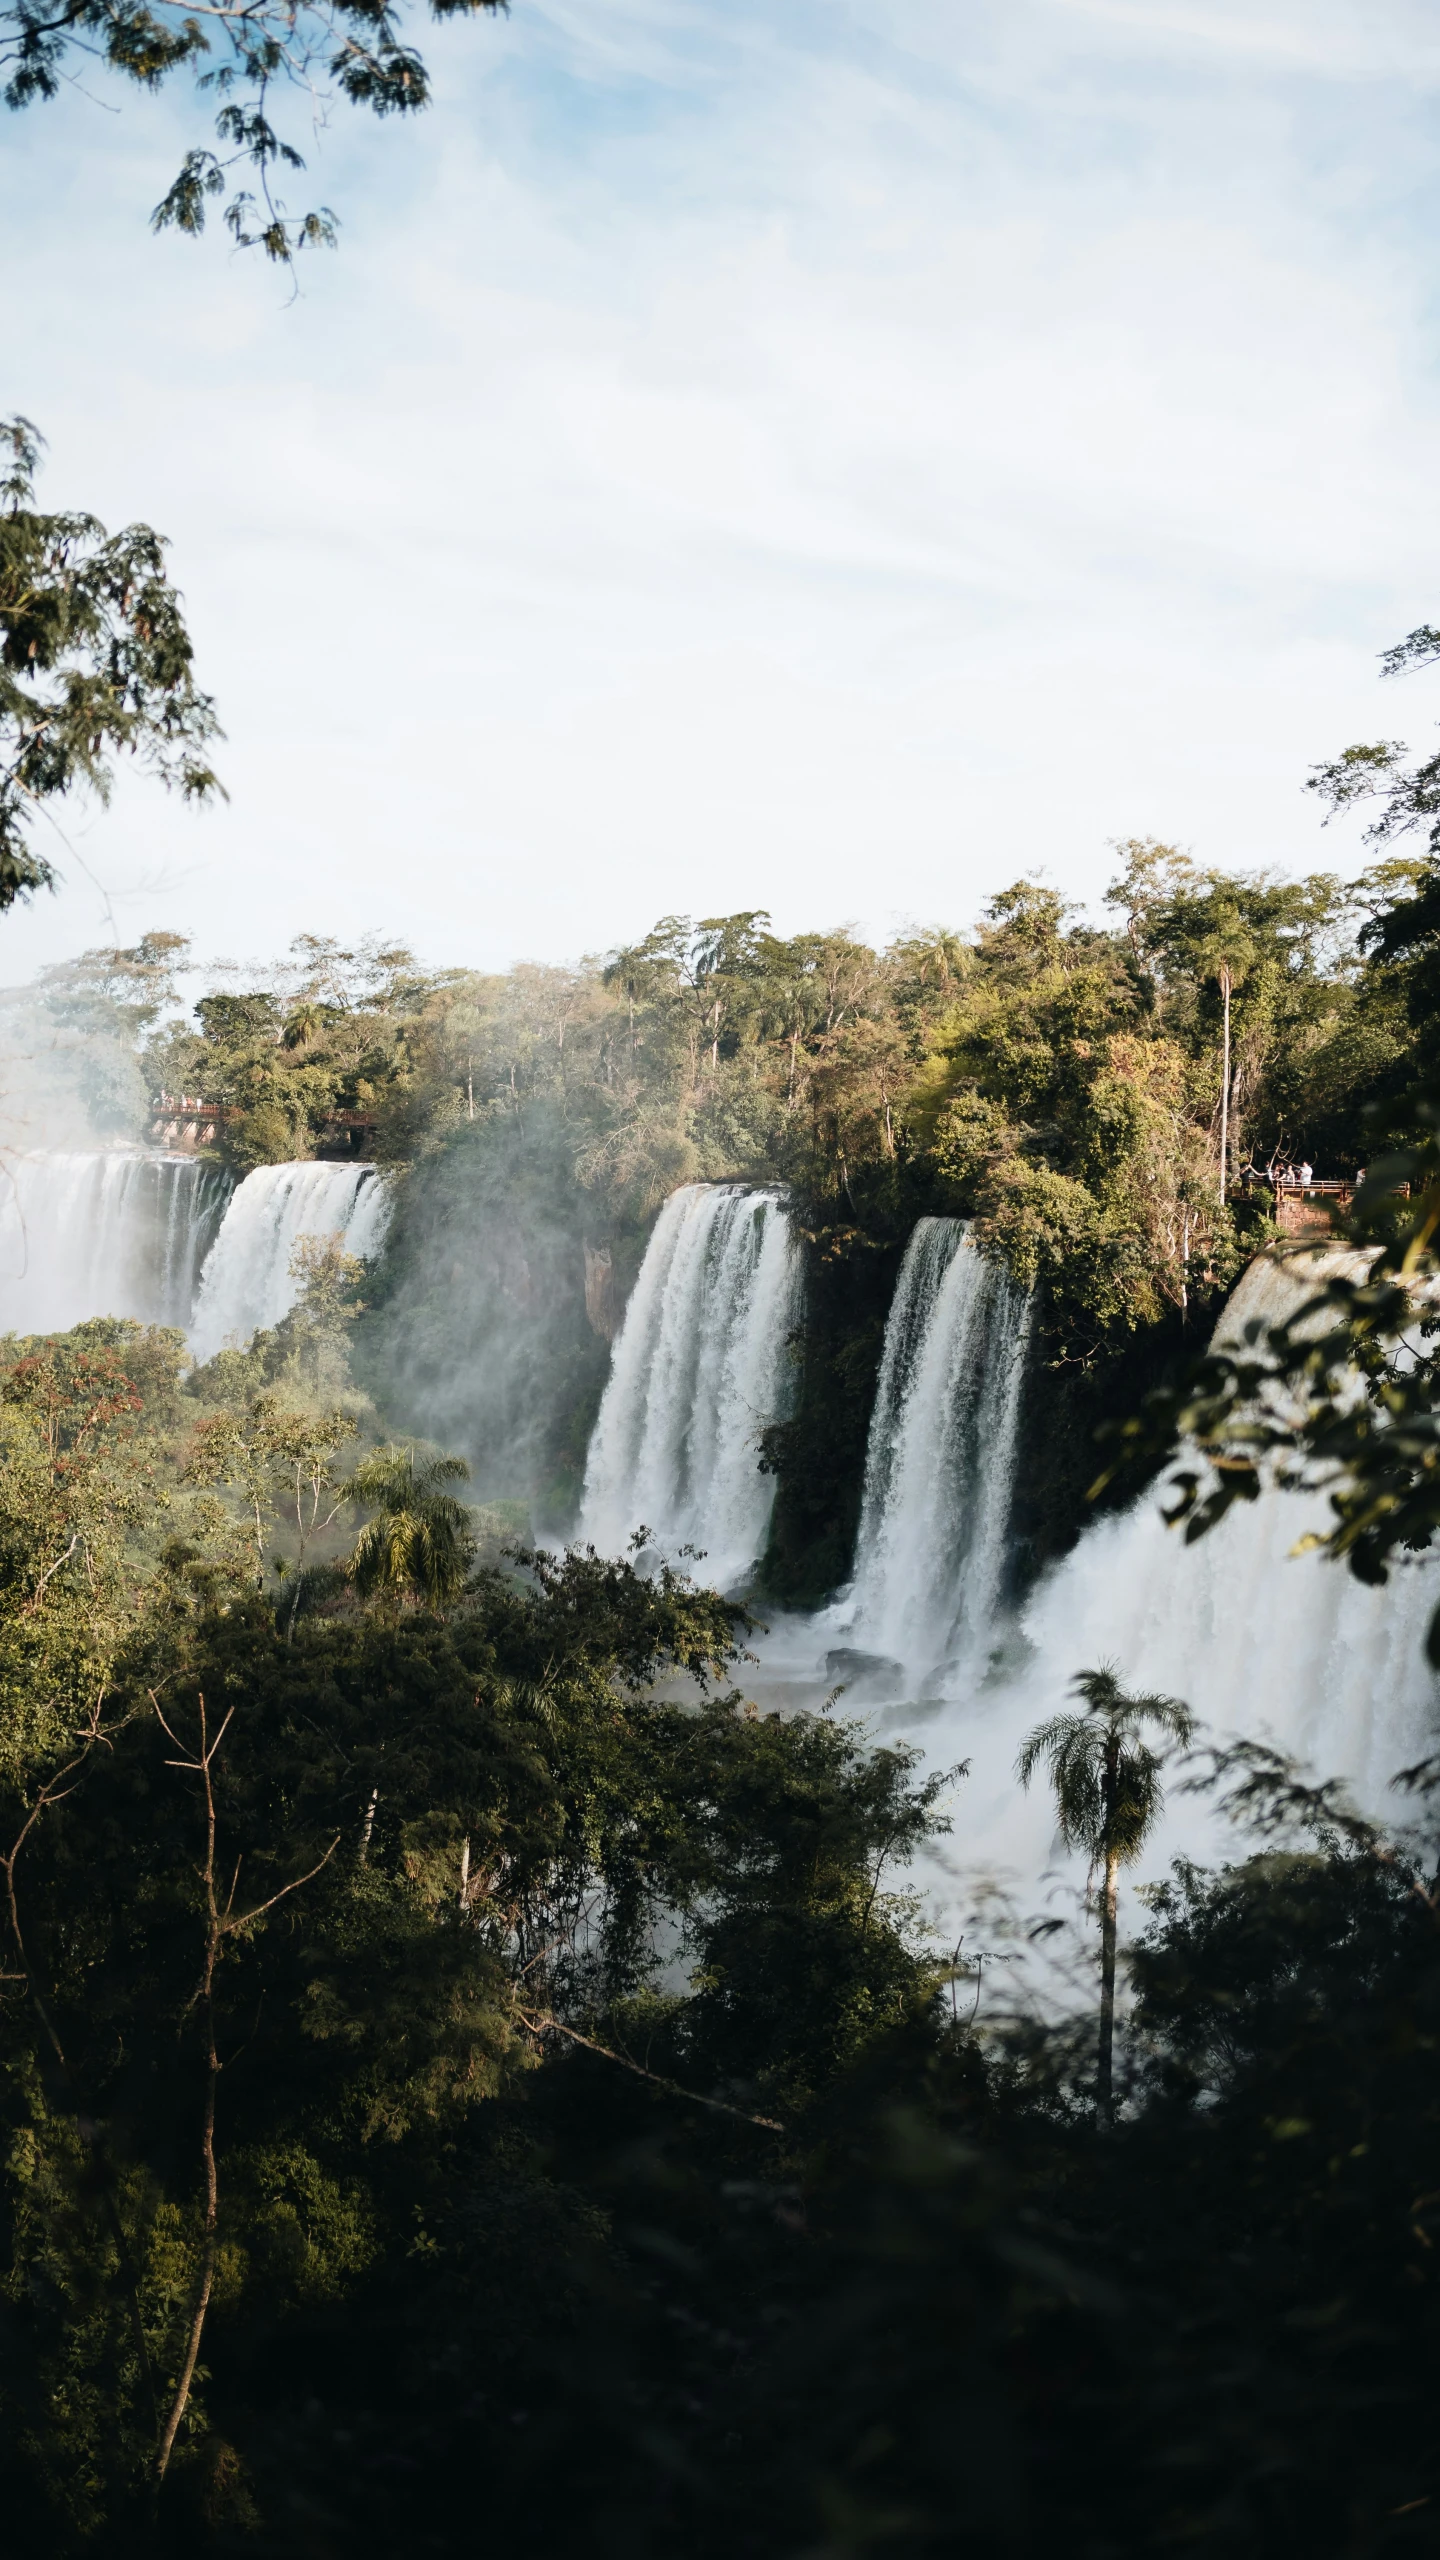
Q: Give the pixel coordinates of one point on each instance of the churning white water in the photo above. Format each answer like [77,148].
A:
[247,1282]
[939,1468]
[112,1233]
[699,1369]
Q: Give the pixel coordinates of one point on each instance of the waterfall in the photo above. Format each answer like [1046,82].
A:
[118,1233]
[247,1282]
[698,1370]
[1255,1637]
[939,1468]
[1261,1642]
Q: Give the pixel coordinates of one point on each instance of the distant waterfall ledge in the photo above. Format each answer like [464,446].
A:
[699,1370]
[247,1283]
[114,1232]
[940,1465]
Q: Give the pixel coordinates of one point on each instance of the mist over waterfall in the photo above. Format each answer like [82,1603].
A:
[247,1282]
[939,1469]
[108,1233]
[699,1369]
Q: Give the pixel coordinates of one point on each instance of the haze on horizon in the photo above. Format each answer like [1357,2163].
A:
[828,460]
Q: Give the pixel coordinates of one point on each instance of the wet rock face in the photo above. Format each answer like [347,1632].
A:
[600,1304]
[863,1672]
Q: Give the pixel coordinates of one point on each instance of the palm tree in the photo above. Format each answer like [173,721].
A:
[419,1544]
[1108,1793]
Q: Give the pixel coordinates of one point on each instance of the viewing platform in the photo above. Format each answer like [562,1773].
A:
[185,1122]
[1304,1208]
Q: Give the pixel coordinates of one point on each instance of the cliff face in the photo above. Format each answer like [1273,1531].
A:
[601,1307]
[487,1327]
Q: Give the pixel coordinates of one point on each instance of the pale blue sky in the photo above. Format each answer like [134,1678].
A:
[827,458]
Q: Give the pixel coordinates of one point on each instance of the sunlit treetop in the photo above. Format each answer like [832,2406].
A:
[244,56]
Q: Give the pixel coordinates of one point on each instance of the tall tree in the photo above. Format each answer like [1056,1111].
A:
[418,1543]
[1108,1793]
[1206,928]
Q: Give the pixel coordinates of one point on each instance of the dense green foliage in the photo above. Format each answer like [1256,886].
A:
[462,2050]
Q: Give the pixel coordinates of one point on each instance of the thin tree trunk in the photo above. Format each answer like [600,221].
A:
[1104,2083]
[1225,1092]
[213,1933]
[207,2259]
[220,1921]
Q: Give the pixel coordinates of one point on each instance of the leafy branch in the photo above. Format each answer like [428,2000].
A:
[241,52]
[95,661]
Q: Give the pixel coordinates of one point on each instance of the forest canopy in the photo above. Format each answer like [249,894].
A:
[449,2035]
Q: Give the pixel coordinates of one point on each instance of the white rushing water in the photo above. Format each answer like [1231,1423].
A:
[118,1232]
[939,1468]
[698,1370]
[248,1282]
[1260,1642]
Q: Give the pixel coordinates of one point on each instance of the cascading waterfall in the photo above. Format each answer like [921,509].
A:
[1261,1642]
[1254,1636]
[939,1468]
[113,1233]
[247,1282]
[698,1371]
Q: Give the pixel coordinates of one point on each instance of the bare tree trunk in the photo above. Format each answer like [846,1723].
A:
[1225,1091]
[1104,2080]
[220,1920]
[213,1933]
[368,1825]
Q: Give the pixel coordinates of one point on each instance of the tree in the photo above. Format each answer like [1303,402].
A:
[419,1544]
[95,661]
[1205,927]
[1108,1794]
[320,49]
[281,1462]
